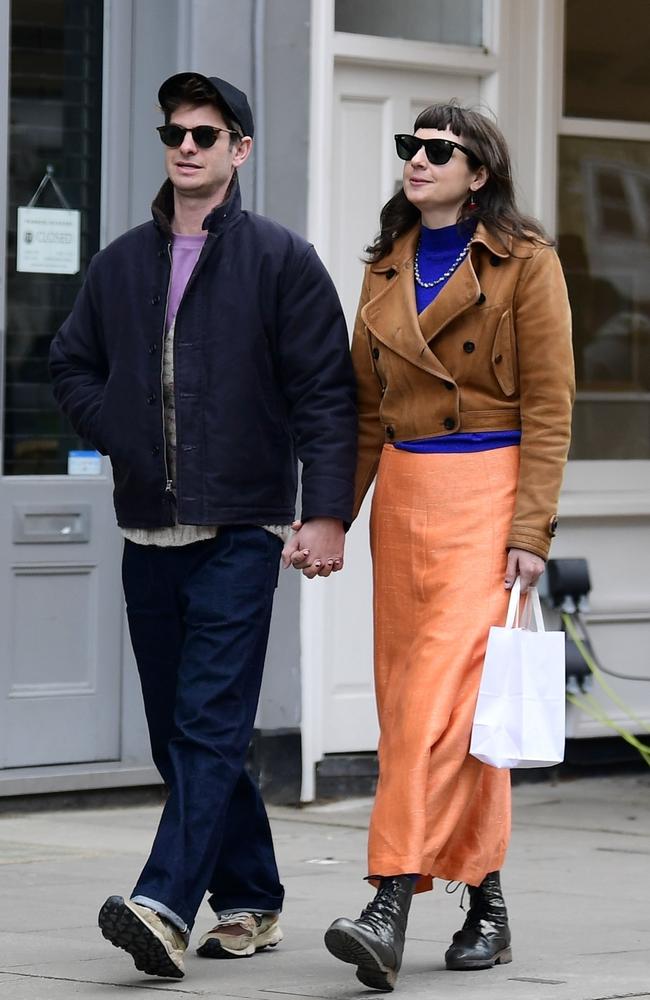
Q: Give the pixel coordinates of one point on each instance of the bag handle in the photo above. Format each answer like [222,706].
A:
[532,602]
[532,611]
[512,618]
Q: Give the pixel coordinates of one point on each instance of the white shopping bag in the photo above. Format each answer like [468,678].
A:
[519,718]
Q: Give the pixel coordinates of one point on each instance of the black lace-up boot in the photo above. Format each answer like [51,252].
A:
[375,942]
[484,939]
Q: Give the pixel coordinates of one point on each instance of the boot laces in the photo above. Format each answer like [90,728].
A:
[451,888]
[383,905]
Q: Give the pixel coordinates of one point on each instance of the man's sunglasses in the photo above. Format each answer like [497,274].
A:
[438,151]
[204,136]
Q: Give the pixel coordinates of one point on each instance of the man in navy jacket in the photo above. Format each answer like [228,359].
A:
[205,353]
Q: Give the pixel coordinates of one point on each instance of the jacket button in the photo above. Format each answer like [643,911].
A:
[495,261]
[469,346]
[155,300]
[481,299]
[449,423]
[498,358]
[375,353]
[448,385]
[153,348]
[390,432]
[155,450]
[151,399]
[552,526]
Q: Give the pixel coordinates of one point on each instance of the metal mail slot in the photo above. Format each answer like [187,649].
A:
[35,524]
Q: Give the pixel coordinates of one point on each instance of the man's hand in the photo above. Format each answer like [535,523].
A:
[316,547]
[524,564]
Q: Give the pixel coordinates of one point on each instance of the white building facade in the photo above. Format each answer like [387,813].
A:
[330,81]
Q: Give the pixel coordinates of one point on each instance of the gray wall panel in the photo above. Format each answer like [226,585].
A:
[219,43]
[287,53]
[155,28]
[216,37]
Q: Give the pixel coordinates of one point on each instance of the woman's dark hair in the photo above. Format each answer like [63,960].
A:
[195,91]
[495,201]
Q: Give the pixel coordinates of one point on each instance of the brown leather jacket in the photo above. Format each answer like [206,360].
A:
[491,352]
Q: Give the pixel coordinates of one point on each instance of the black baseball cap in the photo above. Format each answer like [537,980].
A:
[235,100]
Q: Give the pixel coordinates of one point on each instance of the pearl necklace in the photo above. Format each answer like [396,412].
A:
[447,273]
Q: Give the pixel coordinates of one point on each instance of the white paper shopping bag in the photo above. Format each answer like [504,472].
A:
[519,718]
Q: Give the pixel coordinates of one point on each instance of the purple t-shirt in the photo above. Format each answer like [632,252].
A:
[185,253]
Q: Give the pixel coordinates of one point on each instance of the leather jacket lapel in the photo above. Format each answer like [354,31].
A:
[461,291]
[391,316]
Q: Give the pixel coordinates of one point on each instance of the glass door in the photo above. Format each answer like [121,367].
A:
[60,600]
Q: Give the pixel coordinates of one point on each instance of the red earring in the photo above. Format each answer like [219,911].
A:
[472,204]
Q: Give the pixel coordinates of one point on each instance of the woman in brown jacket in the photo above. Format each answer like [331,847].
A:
[462,351]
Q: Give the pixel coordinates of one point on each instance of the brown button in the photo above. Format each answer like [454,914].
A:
[481,299]
[495,261]
[448,385]
[449,423]
[552,525]
[498,358]
[390,431]
[375,353]
[469,346]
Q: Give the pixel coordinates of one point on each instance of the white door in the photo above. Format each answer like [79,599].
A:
[370,105]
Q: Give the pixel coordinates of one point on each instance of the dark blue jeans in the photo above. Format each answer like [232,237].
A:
[199,620]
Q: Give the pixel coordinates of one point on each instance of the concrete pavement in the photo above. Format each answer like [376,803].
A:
[577,885]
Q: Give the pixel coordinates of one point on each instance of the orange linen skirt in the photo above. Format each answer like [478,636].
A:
[438,530]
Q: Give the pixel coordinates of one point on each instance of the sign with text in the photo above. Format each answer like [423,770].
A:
[47,240]
[84,463]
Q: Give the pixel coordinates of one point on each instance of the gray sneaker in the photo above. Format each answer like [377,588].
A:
[239,935]
[155,945]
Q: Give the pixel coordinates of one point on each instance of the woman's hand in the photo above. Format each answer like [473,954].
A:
[526,565]
[316,547]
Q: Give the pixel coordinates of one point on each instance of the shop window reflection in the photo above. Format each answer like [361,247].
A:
[55,118]
[604,245]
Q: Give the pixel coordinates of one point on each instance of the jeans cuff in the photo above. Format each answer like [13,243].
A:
[163,911]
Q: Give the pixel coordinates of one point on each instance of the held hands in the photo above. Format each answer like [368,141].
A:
[316,547]
[524,564]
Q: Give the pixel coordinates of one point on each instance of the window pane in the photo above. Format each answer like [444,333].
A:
[55,118]
[604,244]
[606,66]
[454,22]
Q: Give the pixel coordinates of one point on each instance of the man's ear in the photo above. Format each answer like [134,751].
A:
[243,151]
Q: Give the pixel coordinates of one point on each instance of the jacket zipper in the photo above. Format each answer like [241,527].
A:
[168,482]
[199,264]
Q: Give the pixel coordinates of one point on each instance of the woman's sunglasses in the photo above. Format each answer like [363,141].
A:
[204,136]
[438,151]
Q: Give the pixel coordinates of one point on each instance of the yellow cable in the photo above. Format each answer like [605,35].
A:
[588,704]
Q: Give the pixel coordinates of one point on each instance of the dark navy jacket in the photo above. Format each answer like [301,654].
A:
[262,373]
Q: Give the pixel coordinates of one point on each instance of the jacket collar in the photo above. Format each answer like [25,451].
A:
[405,246]
[162,208]
[392,314]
